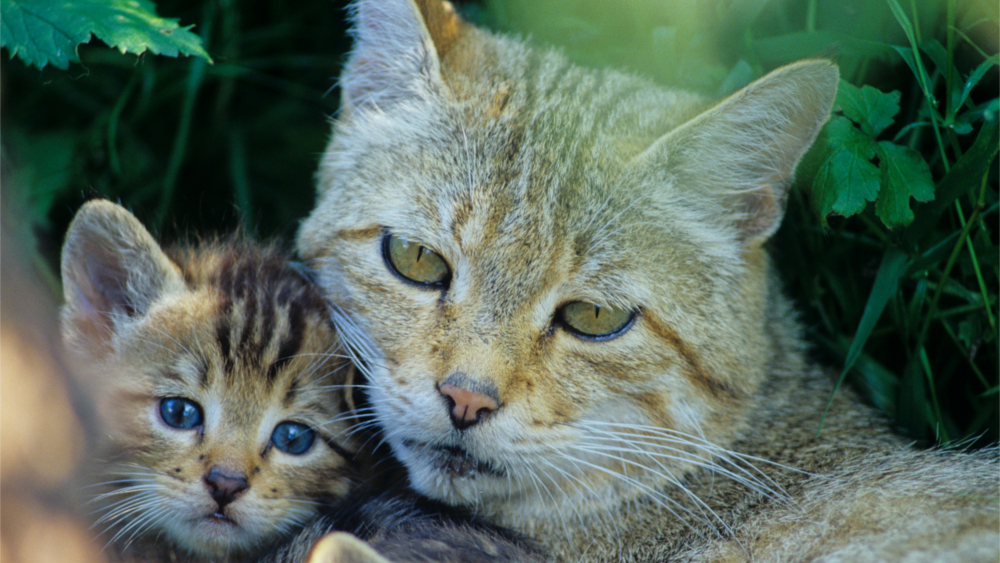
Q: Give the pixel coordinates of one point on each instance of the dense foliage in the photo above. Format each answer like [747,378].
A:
[890,240]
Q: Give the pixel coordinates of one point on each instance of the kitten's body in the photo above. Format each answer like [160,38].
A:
[688,431]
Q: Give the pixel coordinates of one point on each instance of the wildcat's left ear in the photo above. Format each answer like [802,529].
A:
[398,47]
[741,154]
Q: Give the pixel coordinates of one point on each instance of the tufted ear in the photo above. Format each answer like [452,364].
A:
[112,271]
[741,154]
[398,45]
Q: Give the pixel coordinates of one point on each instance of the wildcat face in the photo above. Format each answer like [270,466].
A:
[219,384]
[481,203]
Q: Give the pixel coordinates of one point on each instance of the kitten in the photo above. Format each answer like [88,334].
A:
[580,331]
[220,384]
[227,405]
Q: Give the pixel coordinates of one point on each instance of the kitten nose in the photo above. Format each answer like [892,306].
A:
[225,485]
[468,401]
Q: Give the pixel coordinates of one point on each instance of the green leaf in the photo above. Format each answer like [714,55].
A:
[847,179]
[867,106]
[741,75]
[964,175]
[970,83]
[45,32]
[802,44]
[905,174]
[894,263]
[986,111]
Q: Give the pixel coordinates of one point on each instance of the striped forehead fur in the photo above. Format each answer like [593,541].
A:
[266,305]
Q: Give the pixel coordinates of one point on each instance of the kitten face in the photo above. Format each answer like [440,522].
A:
[551,193]
[219,383]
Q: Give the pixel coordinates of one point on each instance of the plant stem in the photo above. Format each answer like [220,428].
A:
[195,76]
[944,279]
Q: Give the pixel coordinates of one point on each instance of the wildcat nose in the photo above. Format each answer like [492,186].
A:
[225,485]
[468,401]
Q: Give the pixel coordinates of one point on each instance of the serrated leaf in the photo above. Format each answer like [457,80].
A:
[870,108]
[847,180]
[905,174]
[970,83]
[45,32]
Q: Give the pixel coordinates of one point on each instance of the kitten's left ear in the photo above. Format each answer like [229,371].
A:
[112,271]
[741,154]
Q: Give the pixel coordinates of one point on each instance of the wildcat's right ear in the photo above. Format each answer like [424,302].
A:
[741,154]
[398,45]
[112,271]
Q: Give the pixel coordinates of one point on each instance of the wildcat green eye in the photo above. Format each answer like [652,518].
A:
[181,413]
[596,322]
[414,262]
[293,438]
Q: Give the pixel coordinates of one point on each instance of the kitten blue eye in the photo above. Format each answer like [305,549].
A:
[181,413]
[293,438]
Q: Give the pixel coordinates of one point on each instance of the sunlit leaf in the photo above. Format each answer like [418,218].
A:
[43,32]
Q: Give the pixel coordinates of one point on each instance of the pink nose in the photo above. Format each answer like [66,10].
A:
[225,485]
[466,406]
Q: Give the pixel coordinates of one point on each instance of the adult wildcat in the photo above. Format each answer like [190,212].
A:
[580,330]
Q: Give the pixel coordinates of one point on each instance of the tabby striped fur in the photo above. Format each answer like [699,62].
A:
[237,330]
[689,435]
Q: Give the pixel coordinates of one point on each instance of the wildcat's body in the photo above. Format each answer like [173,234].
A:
[689,430]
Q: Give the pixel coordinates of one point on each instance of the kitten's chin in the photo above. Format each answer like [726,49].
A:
[214,536]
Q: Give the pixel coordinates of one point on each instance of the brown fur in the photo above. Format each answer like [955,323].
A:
[233,328]
[690,435]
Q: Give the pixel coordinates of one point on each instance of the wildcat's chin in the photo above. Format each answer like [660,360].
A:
[450,472]
[525,459]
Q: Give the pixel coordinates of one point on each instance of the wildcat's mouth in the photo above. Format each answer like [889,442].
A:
[454,461]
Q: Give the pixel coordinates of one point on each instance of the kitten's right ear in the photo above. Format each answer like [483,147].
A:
[397,52]
[112,270]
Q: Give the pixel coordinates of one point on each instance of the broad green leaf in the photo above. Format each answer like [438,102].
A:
[847,179]
[45,32]
[905,174]
[867,106]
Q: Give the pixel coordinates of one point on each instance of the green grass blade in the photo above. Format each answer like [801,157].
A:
[894,263]
[963,176]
